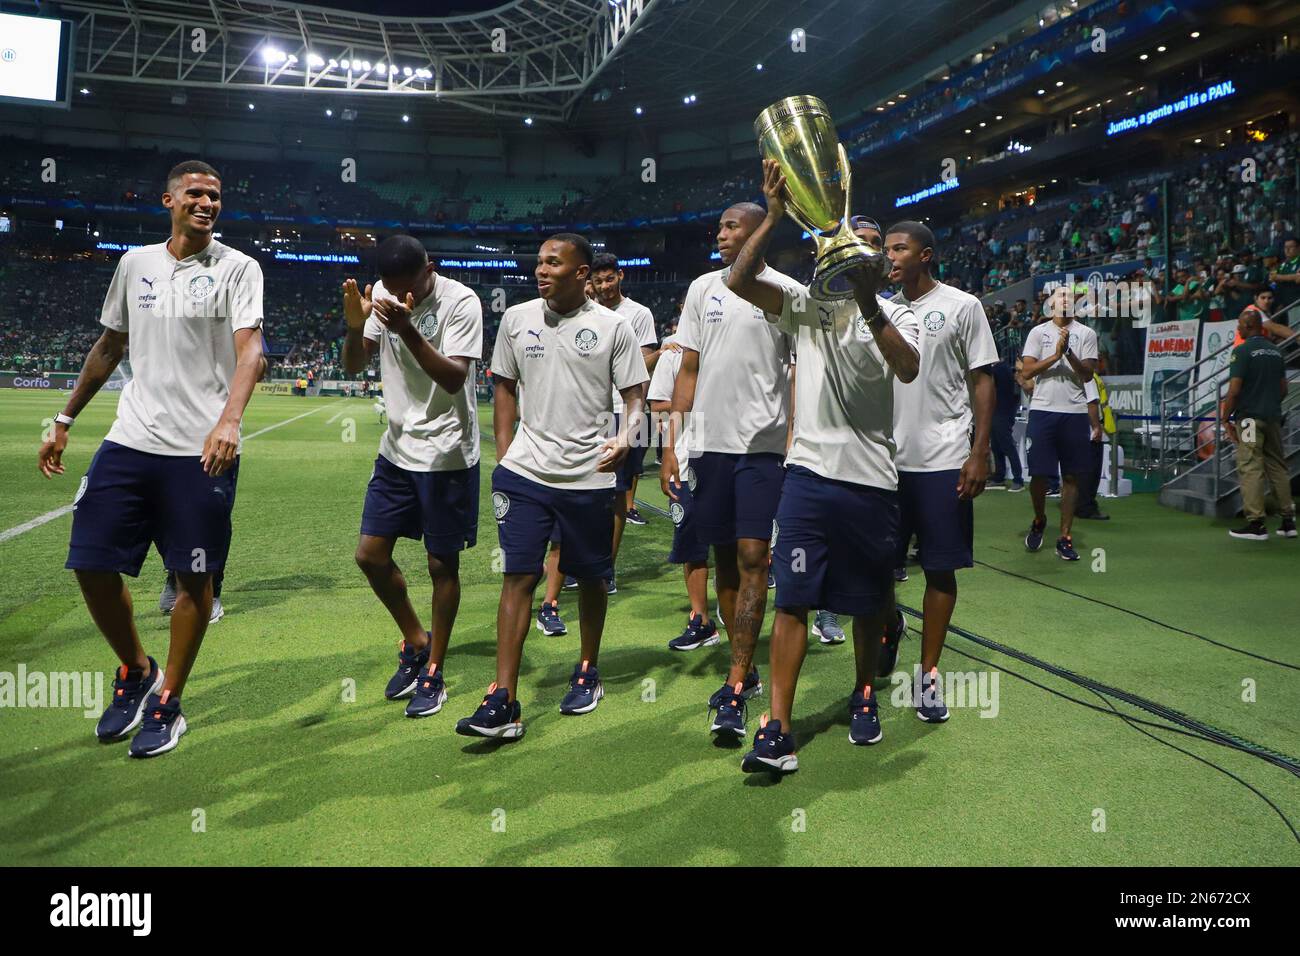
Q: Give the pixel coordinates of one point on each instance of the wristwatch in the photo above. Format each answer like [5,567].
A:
[64,420]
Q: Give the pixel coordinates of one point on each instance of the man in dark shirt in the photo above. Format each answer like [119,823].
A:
[1286,278]
[1004,418]
[1253,410]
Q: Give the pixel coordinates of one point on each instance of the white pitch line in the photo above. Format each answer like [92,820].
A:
[34,523]
[49,516]
[335,416]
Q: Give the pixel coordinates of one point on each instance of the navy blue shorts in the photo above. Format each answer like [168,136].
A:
[835,544]
[736,495]
[528,514]
[1059,438]
[439,506]
[631,468]
[687,547]
[943,523]
[129,499]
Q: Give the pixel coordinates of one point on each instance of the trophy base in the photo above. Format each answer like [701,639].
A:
[830,280]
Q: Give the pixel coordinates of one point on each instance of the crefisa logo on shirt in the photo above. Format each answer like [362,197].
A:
[201,287]
[933,321]
[585,340]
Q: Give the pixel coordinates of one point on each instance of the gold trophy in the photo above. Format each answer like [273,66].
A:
[798,133]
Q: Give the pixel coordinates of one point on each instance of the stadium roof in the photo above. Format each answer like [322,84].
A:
[584,65]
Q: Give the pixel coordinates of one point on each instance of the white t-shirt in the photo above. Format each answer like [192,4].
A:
[662,382]
[1055,388]
[181,316]
[568,365]
[430,429]
[844,391]
[742,392]
[932,414]
[642,321]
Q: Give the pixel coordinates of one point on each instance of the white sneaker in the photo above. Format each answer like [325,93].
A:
[218,612]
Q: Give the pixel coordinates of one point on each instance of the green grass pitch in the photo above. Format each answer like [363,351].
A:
[284,771]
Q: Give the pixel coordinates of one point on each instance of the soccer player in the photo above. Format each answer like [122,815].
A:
[687,549]
[1060,355]
[428,332]
[607,282]
[191,309]
[567,353]
[837,525]
[734,386]
[941,467]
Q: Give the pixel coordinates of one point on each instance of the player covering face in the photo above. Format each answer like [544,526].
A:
[428,333]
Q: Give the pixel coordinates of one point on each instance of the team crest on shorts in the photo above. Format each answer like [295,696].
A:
[201,287]
[586,340]
[933,321]
[81,489]
[775,530]
[676,512]
[500,505]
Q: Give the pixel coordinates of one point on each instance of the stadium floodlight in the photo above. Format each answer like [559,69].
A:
[983,124]
[292,59]
[902,96]
[381,69]
[346,64]
[758,66]
[406,71]
[998,118]
[273,54]
[365,65]
[315,59]
[406,117]
[1144,56]
[1041,92]
[528,121]
[889,102]
[1196,34]
[1060,82]
[85,91]
[251,106]
[1161,49]
[333,64]
[329,112]
[638,111]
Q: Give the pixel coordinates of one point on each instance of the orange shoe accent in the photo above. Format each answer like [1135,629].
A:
[121,672]
[165,696]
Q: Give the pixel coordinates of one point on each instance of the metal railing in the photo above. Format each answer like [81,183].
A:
[1193,398]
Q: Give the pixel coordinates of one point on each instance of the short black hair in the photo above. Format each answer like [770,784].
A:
[749,210]
[914,230]
[1290,238]
[189,166]
[578,242]
[400,256]
[604,260]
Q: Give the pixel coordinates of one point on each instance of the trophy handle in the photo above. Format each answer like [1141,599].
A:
[846,176]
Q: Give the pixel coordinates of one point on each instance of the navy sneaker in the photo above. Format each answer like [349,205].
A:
[1017,486]
[634,517]
[887,662]
[864,718]
[167,600]
[611,586]
[548,621]
[161,729]
[771,579]
[497,717]
[409,664]
[131,690]
[430,694]
[728,707]
[585,691]
[1054,491]
[900,575]
[570,582]
[1065,548]
[995,484]
[697,634]
[773,750]
[930,707]
[826,627]
[1034,540]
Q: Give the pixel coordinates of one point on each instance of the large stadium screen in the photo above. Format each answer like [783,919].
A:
[35,60]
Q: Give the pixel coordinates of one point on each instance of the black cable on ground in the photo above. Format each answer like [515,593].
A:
[1137,614]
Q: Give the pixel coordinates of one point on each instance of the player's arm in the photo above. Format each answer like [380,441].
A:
[1032,367]
[449,372]
[1082,368]
[616,448]
[104,356]
[975,472]
[743,279]
[505,410]
[358,351]
[221,447]
[901,355]
[789,425]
